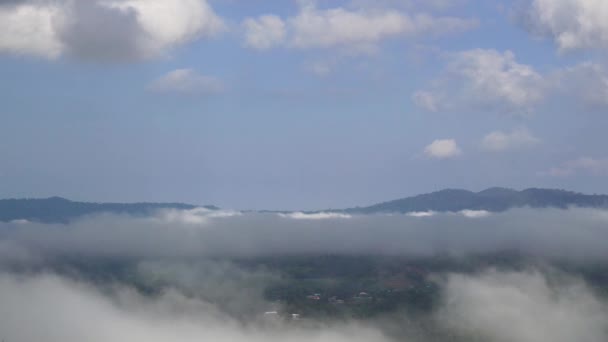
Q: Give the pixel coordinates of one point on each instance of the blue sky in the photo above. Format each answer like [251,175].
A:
[300,104]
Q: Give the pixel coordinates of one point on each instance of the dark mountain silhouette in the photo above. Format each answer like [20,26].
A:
[493,199]
[61,210]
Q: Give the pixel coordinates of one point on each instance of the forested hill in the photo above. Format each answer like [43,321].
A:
[61,210]
[493,199]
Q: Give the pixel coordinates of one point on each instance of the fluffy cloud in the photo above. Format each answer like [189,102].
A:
[186,82]
[500,141]
[584,164]
[489,80]
[486,79]
[572,24]
[443,149]
[104,30]
[30,29]
[354,29]
[498,76]
[264,32]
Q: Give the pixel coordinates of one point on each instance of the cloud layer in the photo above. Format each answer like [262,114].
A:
[575,234]
[525,306]
[206,297]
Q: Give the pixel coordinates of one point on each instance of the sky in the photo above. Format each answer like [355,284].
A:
[300,104]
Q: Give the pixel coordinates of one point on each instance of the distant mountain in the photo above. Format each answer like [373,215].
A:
[61,210]
[493,199]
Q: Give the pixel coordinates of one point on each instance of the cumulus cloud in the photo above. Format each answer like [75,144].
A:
[186,82]
[484,79]
[571,24]
[105,30]
[443,149]
[584,164]
[31,29]
[264,32]
[353,29]
[501,141]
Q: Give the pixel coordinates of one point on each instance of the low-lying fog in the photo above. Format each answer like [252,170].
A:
[190,252]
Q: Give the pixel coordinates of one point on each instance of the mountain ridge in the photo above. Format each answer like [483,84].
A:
[61,210]
[492,199]
[495,199]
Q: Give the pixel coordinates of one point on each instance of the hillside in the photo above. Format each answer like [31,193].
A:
[493,199]
[61,210]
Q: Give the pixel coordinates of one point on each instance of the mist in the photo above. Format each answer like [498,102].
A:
[491,306]
[186,280]
[574,234]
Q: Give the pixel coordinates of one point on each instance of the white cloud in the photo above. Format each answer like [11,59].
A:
[354,29]
[443,149]
[498,77]
[572,24]
[475,213]
[173,22]
[186,82]
[485,79]
[104,30]
[264,32]
[421,214]
[315,216]
[500,141]
[584,164]
[30,29]
[194,216]
[523,306]
[51,304]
